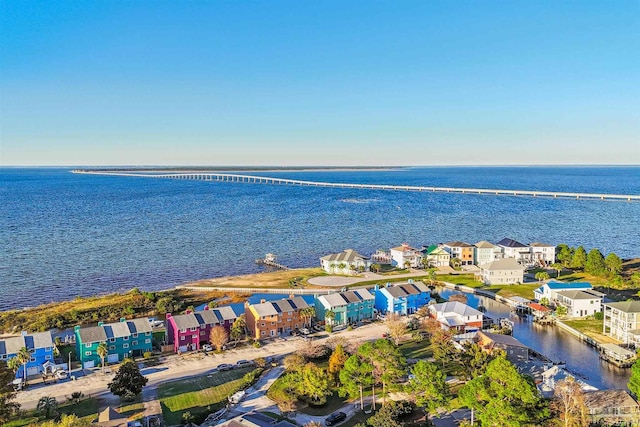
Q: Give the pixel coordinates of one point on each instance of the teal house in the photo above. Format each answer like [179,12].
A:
[126,338]
[347,307]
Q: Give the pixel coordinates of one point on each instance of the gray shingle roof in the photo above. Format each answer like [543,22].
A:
[139,326]
[625,306]
[186,321]
[92,334]
[283,306]
[14,344]
[265,309]
[457,244]
[207,317]
[225,313]
[333,300]
[116,330]
[578,294]
[298,303]
[485,245]
[510,243]
[364,294]
[502,264]
[346,256]
[351,296]
[42,339]
[503,339]
[455,307]
[396,291]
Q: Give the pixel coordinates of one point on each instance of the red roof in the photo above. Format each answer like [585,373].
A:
[538,307]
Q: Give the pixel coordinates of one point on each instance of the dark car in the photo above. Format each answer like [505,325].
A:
[225,367]
[335,418]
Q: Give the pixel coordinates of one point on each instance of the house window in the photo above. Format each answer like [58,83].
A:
[112,347]
[47,357]
[112,340]
[4,357]
[33,359]
[273,323]
[182,338]
[126,338]
[147,341]
[202,326]
[135,335]
[195,337]
[47,349]
[263,333]
[183,330]
[87,353]
[193,329]
[147,333]
[88,345]
[125,345]
[262,324]
[134,343]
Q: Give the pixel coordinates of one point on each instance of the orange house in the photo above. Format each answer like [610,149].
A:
[270,319]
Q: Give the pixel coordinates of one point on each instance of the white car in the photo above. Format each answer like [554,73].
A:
[61,375]
[207,347]
[304,331]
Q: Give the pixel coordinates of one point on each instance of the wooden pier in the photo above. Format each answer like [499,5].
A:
[271,261]
[251,179]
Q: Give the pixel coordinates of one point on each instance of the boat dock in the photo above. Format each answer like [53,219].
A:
[271,261]
[236,178]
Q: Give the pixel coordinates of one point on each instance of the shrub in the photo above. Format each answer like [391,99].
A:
[598,316]
[349,328]
[257,344]
[328,328]
[147,354]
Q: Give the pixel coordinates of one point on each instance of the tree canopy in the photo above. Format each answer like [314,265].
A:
[579,258]
[8,407]
[595,263]
[428,386]
[502,397]
[634,380]
[128,381]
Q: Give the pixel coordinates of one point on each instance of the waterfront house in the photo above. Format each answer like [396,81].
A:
[227,314]
[436,256]
[514,249]
[347,307]
[580,303]
[514,349]
[456,316]
[401,299]
[502,271]
[622,321]
[461,250]
[484,252]
[539,311]
[550,377]
[39,344]
[611,407]
[126,338]
[404,255]
[270,319]
[543,253]
[550,289]
[346,262]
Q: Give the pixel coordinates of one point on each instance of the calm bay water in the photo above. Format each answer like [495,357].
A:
[64,235]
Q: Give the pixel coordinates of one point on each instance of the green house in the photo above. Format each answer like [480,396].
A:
[126,338]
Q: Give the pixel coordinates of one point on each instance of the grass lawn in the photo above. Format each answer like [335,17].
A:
[86,409]
[524,291]
[591,328]
[358,417]
[200,396]
[334,402]
[460,279]
[274,279]
[416,349]
[132,410]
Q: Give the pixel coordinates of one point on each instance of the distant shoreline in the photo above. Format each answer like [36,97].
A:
[181,169]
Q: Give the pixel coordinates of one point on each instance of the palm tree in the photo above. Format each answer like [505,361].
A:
[102,352]
[557,267]
[13,364]
[407,264]
[308,313]
[48,405]
[334,266]
[330,315]
[24,356]
[375,267]
[342,266]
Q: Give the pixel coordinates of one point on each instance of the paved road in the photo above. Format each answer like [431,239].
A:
[339,281]
[176,367]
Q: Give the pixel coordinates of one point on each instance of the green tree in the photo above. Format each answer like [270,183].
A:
[442,345]
[579,258]
[433,277]
[128,381]
[561,310]
[24,356]
[355,376]
[67,421]
[502,397]
[48,406]
[634,379]
[8,408]
[336,362]
[387,362]
[102,350]
[472,361]
[595,263]
[294,362]
[541,276]
[564,254]
[558,268]
[613,264]
[428,386]
[387,416]
[375,267]
[307,313]
[544,301]
[314,383]
[329,316]
[238,329]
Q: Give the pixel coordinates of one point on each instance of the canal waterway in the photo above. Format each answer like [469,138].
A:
[553,342]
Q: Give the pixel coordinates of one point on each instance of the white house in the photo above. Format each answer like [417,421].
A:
[513,249]
[580,303]
[550,289]
[485,252]
[461,250]
[404,253]
[346,262]
[502,271]
[456,315]
[622,321]
[543,253]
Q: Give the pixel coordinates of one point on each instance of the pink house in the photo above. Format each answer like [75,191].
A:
[190,330]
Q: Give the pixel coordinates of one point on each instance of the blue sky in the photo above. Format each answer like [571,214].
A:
[319,82]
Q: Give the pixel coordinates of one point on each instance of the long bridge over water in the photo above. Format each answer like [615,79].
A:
[251,179]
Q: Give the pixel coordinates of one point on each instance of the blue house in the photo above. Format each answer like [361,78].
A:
[39,344]
[402,299]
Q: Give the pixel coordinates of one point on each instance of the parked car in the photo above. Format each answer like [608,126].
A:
[304,331]
[61,375]
[207,347]
[243,363]
[335,418]
[224,367]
